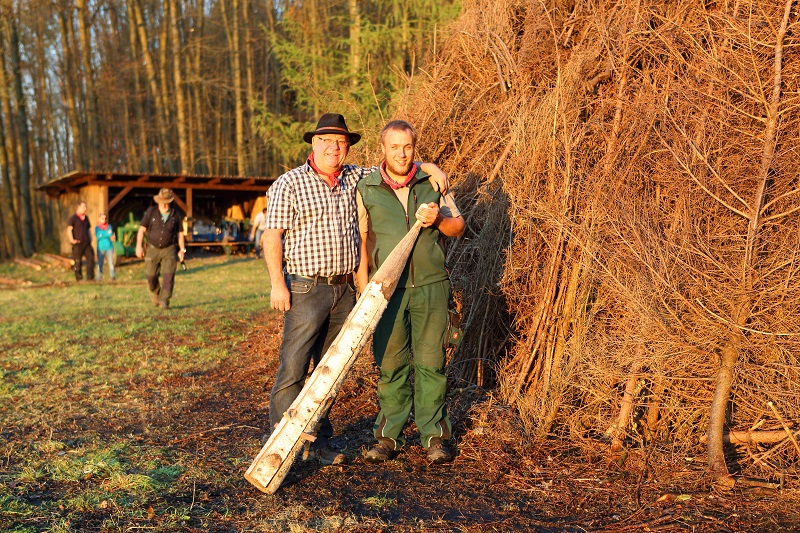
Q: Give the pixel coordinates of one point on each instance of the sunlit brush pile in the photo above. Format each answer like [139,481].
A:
[629,174]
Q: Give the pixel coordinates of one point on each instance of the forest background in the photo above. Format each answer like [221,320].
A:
[223,87]
[628,172]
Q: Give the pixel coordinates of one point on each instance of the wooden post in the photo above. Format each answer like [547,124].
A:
[276,457]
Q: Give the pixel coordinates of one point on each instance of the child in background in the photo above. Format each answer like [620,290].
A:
[105,246]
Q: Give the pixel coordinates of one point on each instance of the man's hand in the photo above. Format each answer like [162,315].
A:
[279,298]
[438,177]
[140,242]
[427,214]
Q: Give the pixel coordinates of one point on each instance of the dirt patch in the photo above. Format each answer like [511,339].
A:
[501,480]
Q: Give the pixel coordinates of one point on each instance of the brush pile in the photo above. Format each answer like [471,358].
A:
[629,175]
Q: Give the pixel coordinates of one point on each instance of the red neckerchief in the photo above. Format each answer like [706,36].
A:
[331,179]
[103,226]
[82,217]
[393,184]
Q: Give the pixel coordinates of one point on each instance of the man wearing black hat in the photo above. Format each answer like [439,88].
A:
[311,248]
[165,246]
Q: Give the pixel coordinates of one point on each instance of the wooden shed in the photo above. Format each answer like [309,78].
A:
[205,200]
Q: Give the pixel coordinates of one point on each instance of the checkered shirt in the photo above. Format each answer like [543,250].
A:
[321,237]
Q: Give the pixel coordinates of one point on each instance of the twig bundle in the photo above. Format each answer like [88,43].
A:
[628,172]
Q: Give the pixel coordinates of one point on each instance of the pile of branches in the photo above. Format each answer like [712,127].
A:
[628,173]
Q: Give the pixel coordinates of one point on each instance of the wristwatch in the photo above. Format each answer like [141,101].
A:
[183,250]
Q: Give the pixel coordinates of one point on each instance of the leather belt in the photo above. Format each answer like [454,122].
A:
[324,280]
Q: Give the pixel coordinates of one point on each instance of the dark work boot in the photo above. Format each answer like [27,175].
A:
[382,451]
[438,452]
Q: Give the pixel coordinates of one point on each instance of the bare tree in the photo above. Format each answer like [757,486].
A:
[186,162]
[24,143]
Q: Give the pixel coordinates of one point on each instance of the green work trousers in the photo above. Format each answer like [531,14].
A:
[415,322]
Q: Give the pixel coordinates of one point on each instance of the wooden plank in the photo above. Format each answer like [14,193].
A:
[275,459]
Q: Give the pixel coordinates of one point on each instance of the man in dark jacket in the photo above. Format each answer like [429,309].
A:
[165,246]
[81,240]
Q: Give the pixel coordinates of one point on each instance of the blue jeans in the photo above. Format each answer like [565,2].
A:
[102,257]
[258,241]
[314,320]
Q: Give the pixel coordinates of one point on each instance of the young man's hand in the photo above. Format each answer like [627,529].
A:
[427,214]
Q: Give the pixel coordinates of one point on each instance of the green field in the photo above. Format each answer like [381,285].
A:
[95,384]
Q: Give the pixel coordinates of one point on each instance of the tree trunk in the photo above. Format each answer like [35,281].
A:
[180,104]
[22,128]
[730,351]
[163,49]
[355,42]
[155,90]
[8,162]
[68,89]
[199,92]
[10,227]
[232,31]
[250,83]
[93,140]
[316,49]
[141,153]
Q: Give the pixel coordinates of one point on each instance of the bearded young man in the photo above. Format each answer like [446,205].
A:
[416,318]
[311,248]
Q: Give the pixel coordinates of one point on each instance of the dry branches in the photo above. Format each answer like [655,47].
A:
[637,205]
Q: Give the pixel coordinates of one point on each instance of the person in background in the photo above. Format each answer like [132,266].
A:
[81,240]
[166,245]
[104,234]
[415,322]
[311,252]
[259,225]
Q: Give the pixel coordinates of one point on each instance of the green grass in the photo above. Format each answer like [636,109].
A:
[76,358]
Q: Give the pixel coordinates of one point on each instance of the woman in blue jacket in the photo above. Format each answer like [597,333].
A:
[105,246]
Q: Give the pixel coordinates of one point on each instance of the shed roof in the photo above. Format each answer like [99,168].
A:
[73,181]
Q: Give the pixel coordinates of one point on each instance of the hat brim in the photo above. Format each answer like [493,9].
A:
[354,137]
[160,200]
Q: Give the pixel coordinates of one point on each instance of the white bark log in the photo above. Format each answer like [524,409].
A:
[276,457]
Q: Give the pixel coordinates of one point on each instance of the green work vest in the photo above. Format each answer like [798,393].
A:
[389,224]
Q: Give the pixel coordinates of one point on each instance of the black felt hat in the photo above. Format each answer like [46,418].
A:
[332,123]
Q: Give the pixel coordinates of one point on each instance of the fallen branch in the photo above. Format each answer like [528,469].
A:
[28,263]
[785,427]
[748,437]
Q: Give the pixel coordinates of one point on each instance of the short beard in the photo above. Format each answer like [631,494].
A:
[399,171]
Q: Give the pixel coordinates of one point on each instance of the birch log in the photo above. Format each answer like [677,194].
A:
[276,457]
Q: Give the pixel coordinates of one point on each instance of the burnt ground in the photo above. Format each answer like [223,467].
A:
[500,481]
